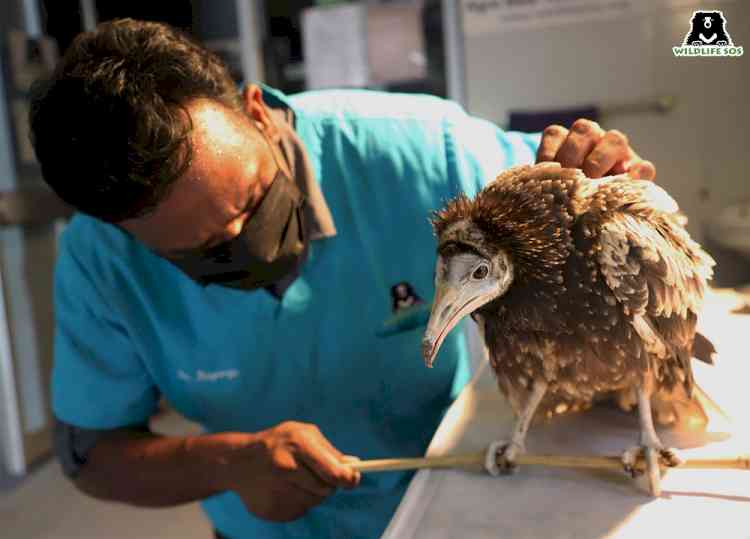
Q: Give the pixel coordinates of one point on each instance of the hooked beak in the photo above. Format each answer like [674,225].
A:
[452,303]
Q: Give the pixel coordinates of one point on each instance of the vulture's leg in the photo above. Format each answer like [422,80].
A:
[501,454]
[653,451]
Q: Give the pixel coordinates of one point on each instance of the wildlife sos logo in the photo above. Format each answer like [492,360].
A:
[708,36]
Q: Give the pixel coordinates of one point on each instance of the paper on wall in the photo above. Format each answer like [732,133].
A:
[484,17]
[335,45]
[481,17]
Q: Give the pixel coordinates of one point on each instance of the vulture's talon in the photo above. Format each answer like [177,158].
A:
[500,457]
[656,460]
[630,459]
[669,458]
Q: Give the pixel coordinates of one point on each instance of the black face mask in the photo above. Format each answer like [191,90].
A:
[270,246]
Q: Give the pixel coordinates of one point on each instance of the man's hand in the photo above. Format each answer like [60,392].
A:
[282,472]
[587,146]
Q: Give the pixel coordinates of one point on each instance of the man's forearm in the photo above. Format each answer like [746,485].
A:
[157,471]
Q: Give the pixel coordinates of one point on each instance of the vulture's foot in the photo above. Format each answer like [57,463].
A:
[501,457]
[657,460]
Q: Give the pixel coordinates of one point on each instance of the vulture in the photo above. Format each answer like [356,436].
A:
[583,290]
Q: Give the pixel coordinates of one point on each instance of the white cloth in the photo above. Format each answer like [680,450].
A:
[564,503]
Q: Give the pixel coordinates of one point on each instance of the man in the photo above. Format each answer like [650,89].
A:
[234,253]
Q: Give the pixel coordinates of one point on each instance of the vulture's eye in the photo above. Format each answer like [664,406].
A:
[481,272]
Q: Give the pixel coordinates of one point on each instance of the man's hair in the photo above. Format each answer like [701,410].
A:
[110,127]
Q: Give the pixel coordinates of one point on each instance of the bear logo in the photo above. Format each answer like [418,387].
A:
[403,295]
[708,28]
[408,311]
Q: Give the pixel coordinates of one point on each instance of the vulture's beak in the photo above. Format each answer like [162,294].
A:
[452,303]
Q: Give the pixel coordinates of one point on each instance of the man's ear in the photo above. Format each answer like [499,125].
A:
[257,110]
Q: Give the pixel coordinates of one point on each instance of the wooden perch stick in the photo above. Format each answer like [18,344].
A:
[558,461]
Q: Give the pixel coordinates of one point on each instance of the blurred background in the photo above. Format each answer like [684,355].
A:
[520,64]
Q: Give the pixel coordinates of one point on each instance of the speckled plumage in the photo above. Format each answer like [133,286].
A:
[606,293]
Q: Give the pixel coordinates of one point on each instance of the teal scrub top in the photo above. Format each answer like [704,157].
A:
[132,327]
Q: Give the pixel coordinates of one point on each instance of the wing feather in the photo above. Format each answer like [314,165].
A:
[640,244]
[652,266]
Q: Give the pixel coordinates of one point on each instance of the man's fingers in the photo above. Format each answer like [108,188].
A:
[552,138]
[584,135]
[587,146]
[611,149]
[622,167]
[635,167]
[327,465]
[308,481]
[642,170]
[352,479]
[299,474]
[356,477]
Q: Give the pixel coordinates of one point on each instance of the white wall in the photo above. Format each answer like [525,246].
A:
[701,146]
[11,446]
[26,264]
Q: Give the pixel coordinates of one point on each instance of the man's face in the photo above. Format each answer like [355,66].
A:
[231,170]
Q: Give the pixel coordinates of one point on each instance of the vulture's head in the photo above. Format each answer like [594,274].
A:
[471,271]
[516,230]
